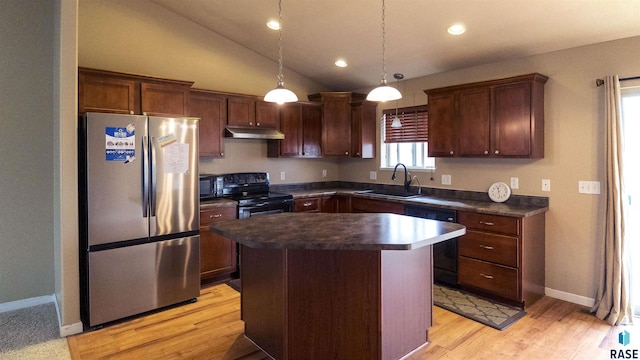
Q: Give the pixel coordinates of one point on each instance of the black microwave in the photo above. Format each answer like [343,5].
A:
[211,186]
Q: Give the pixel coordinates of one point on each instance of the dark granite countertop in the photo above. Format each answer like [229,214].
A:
[518,209]
[350,231]
[219,202]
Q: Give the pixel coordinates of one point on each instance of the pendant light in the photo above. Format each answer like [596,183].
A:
[384,92]
[280,94]
[396,121]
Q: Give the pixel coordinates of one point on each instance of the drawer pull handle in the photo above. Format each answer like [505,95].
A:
[215,216]
[486,276]
[487,223]
[486,247]
[309,203]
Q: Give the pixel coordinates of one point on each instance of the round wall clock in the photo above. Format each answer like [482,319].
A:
[499,192]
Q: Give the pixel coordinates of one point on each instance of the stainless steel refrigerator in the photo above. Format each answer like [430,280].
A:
[139,214]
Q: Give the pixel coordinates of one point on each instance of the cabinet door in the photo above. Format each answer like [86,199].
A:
[512,120]
[241,110]
[267,114]
[291,126]
[363,130]
[218,255]
[164,99]
[107,94]
[329,204]
[212,110]
[336,125]
[311,131]
[442,129]
[474,136]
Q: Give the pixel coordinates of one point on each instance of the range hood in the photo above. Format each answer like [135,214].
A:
[240,132]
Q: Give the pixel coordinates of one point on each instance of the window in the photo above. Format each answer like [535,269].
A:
[406,144]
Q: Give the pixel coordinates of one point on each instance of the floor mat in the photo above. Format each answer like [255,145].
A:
[488,312]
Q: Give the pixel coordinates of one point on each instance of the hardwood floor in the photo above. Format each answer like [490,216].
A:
[211,329]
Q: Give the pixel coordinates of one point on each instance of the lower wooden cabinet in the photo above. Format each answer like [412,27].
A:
[218,255]
[502,256]
[312,204]
[376,206]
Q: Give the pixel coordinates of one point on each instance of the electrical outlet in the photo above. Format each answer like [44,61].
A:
[324,174]
[446,179]
[282,175]
[546,185]
[373,175]
[514,183]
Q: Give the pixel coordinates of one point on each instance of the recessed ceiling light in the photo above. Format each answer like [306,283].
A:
[273,24]
[341,63]
[456,29]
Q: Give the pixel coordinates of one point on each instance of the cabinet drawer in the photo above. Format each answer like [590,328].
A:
[306,205]
[359,205]
[488,222]
[489,247]
[497,279]
[208,216]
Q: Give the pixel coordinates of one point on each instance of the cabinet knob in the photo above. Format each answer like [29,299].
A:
[486,152]
[250,122]
[497,152]
[486,276]
[357,154]
[215,216]
[144,113]
[486,223]
[131,112]
[486,247]
[451,152]
[221,154]
[257,124]
[308,203]
[346,153]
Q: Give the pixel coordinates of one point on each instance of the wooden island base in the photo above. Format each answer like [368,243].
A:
[337,304]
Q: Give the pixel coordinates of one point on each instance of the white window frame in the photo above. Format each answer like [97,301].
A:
[418,153]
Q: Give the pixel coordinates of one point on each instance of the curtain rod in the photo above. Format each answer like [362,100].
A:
[600,82]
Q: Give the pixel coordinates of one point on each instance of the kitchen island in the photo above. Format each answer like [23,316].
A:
[337,286]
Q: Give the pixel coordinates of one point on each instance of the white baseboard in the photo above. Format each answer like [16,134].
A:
[25,303]
[72,329]
[573,298]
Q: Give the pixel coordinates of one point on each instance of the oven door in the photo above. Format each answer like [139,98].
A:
[264,209]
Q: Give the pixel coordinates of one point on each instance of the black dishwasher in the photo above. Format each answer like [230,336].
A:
[445,254]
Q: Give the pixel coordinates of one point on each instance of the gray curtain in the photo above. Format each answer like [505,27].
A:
[613,302]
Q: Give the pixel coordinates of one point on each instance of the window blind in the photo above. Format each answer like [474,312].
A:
[414,122]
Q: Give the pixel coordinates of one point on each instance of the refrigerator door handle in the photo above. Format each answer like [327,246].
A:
[145,177]
[153,167]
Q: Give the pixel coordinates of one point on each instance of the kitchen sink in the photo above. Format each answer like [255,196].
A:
[401,194]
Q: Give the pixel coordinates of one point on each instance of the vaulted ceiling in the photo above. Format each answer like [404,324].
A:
[316,33]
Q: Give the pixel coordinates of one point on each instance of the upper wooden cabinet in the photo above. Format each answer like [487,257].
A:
[499,118]
[113,92]
[211,108]
[363,129]
[340,135]
[248,111]
[301,124]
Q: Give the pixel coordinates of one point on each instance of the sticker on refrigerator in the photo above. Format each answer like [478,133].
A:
[167,139]
[120,143]
[176,158]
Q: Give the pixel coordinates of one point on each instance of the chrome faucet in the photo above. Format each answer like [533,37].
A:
[407,179]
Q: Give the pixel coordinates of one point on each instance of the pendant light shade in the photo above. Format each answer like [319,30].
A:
[384,92]
[280,94]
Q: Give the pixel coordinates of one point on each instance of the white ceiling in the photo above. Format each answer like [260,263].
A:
[316,33]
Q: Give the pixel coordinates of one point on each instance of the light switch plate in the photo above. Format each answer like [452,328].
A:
[589,187]
[373,175]
[446,179]
[282,175]
[514,183]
